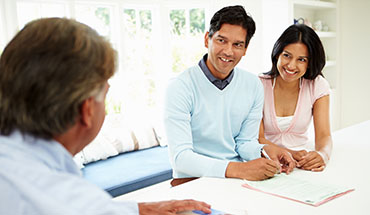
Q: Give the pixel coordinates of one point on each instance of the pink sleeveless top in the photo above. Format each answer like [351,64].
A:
[295,136]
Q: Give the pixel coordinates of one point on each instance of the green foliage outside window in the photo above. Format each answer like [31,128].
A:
[197,21]
[146,20]
[130,21]
[103,14]
[187,47]
[177,18]
[138,78]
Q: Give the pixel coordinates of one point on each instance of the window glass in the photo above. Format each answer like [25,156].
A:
[134,85]
[153,43]
[95,16]
[28,11]
[187,37]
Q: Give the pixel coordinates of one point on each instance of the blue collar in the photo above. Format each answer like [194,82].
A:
[220,84]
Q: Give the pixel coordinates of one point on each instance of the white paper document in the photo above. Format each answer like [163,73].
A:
[298,189]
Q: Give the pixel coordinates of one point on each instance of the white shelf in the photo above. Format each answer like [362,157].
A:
[326,34]
[312,4]
[330,63]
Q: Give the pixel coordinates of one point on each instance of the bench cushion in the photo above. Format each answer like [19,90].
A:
[130,171]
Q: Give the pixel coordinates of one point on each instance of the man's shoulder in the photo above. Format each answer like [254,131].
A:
[247,77]
[191,71]
[186,77]
[245,74]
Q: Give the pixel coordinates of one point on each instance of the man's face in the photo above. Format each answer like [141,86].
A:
[99,110]
[225,49]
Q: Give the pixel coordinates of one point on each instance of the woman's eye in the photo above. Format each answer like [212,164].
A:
[303,60]
[286,55]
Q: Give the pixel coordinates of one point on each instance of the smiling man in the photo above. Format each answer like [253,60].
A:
[213,110]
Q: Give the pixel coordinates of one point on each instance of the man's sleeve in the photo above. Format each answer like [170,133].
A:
[177,120]
[247,144]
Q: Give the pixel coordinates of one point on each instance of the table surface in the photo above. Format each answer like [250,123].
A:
[348,166]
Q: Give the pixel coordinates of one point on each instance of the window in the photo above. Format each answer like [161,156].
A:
[2,29]
[154,42]
[187,27]
[135,84]
[97,16]
[27,11]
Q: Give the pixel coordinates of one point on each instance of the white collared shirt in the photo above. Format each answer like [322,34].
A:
[40,177]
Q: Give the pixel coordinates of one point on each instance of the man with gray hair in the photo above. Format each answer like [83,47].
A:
[53,82]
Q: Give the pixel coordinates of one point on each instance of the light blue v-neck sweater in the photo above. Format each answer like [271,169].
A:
[207,127]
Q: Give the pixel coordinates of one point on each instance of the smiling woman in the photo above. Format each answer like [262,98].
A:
[295,93]
[292,62]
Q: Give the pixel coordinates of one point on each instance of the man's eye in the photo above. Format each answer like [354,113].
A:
[221,40]
[239,45]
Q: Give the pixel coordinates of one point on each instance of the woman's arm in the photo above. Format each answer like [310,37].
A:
[317,159]
[261,136]
[321,120]
[297,155]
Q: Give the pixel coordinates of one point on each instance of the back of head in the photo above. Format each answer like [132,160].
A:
[234,15]
[46,72]
[300,34]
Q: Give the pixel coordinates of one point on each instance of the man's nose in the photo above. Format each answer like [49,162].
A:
[228,50]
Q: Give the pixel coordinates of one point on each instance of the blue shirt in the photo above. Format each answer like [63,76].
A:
[40,177]
[207,128]
[220,84]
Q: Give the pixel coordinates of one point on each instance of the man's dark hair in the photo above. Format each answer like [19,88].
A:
[234,15]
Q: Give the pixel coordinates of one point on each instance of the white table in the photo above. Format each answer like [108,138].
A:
[349,166]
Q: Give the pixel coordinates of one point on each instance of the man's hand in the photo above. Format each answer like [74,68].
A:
[254,170]
[281,156]
[172,207]
[312,161]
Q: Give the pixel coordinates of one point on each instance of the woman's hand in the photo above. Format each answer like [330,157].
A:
[298,155]
[312,161]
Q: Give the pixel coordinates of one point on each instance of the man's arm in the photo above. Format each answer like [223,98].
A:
[172,207]
[249,149]
[178,111]
[247,145]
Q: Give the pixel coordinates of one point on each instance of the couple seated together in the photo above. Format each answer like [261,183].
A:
[222,121]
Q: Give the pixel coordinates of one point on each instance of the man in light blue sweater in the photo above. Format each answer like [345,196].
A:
[213,110]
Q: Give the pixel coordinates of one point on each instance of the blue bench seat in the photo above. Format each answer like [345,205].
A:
[130,171]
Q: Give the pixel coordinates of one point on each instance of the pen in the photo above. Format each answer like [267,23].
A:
[264,153]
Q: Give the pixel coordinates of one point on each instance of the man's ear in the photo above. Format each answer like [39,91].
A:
[87,112]
[245,50]
[206,39]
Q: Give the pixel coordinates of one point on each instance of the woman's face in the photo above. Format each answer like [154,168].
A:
[293,62]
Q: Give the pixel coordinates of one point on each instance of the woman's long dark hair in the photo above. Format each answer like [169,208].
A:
[300,34]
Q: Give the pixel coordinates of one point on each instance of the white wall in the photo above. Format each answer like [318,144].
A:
[252,61]
[354,50]
[272,18]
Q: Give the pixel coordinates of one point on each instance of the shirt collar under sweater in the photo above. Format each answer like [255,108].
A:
[220,84]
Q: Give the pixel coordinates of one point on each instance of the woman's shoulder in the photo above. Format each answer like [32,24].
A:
[318,87]
[265,79]
[319,82]
[263,76]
